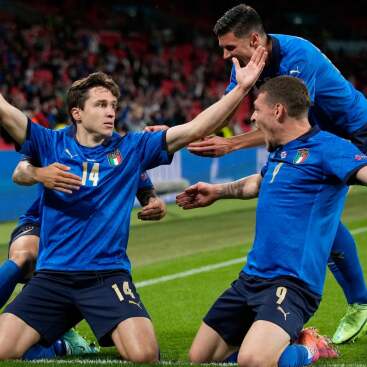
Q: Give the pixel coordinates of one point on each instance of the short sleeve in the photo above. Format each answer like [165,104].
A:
[145,182]
[153,150]
[343,160]
[38,142]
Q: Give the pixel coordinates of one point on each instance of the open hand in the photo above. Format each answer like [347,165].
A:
[211,146]
[248,75]
[56,177]
[197,196]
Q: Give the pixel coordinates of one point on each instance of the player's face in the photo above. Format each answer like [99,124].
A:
[265,119]
[99,112]
[241,48]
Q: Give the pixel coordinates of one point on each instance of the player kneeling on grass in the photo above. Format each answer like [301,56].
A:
[24,242]
[82,269]
[301,191]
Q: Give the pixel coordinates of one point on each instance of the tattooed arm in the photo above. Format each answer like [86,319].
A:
[203,194]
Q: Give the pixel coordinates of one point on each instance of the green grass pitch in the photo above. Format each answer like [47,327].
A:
[191,243]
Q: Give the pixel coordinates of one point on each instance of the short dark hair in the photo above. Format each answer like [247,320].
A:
[241,20]
[78,92]
[289,91]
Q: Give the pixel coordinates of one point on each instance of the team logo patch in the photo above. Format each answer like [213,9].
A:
[360,157]
[114,158]
[301,156]
[283,154]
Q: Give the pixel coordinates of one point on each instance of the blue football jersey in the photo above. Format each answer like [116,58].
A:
[337,106]
[300,202]
[88,230]
[32,215]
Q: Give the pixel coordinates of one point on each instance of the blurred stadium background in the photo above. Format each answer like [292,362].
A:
[166,61]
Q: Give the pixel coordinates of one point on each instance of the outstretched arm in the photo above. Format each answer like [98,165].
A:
[13,120]
[212,118]
[204,194]
[153,128]
[54,176]
[216,146]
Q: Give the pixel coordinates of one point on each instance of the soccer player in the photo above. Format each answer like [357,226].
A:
[82,268]
[23,246]
[301,190]
[337,107]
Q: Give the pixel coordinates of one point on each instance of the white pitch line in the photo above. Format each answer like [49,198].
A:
[187,273]
[207,268]
[358,230]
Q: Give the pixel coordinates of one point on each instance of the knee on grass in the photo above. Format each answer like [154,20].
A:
[146,355]
[254,360]
[198,356]
[9,352]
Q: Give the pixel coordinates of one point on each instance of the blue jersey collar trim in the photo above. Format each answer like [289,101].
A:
[304,137]
[272,68]
[309,134]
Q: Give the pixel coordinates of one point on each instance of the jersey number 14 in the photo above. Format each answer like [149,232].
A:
[92,176]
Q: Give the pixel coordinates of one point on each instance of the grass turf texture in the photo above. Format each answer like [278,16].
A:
[185,240]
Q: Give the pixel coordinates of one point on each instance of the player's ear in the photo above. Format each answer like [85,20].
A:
[254,40]
[75,113]
[280,112]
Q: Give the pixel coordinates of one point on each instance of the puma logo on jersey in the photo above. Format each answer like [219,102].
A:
[69,153]
[294,71]
[279,308]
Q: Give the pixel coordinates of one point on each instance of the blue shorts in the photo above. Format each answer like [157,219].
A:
[283,301]
[26,229]
[53,302]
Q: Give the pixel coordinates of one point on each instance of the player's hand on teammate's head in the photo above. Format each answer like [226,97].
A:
[154,210]
[56,177]
[211,146]
[248,75]
[196,196]
[153,128]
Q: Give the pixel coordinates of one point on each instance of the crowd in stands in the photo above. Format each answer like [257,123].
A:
[164,78]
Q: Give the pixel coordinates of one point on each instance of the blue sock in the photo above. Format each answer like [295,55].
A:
[295,355]
[346,268]
[37,351]
[232,358]
[10,275]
